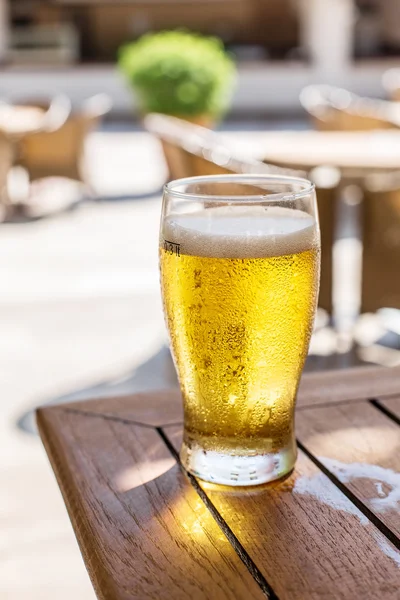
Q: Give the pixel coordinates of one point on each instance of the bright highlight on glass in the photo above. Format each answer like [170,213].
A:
[239,259]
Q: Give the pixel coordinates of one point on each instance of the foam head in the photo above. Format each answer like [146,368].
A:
[242,232]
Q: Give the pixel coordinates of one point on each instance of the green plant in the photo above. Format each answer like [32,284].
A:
[179,73]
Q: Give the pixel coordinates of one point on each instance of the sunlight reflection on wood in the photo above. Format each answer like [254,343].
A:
[142,473]
[341,439]
[195,520]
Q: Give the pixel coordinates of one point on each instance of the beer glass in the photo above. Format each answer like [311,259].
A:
[239,262]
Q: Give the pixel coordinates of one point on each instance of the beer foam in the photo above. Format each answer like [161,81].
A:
[241,232]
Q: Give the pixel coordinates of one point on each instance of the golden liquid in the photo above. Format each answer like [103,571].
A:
[240,330]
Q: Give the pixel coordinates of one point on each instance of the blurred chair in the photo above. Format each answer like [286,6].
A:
[55,113]
[59,152]
[381,243]
[191,150]
[19,120]
[336,109]
[391,83]
[6,158]
[389,23]
[51,195]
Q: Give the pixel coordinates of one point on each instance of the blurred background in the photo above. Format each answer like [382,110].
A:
[100,104]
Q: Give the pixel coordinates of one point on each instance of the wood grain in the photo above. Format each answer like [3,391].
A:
[143,530]
[148,531]
[317,388]
[307,538]
[348,384]
[153,409]
[361,447]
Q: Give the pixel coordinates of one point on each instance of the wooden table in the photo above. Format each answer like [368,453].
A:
[147,530]
[362,151]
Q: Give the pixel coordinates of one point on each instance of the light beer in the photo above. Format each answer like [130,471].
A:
[240,287]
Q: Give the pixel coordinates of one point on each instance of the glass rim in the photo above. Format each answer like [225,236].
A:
[308,187]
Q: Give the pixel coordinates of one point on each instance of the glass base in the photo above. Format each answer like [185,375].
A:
[238,469]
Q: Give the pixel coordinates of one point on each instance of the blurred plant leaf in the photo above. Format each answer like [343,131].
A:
[179,73]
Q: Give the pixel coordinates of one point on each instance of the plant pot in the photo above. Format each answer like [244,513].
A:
[203,120]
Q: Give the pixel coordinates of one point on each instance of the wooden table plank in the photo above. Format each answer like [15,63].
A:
[317,388]
[326,387]
[149,408]
[143,530]
[360,446]
[307,538]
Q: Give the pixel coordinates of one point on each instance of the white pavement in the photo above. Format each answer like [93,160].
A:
[79,306]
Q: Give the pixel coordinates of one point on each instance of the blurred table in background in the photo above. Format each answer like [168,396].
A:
[368,165]
[356,154]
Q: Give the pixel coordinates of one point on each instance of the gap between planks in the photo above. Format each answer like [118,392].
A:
[384,529]
[130,421]
[226,530]
[241,552]
[383,409]
[125,421]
